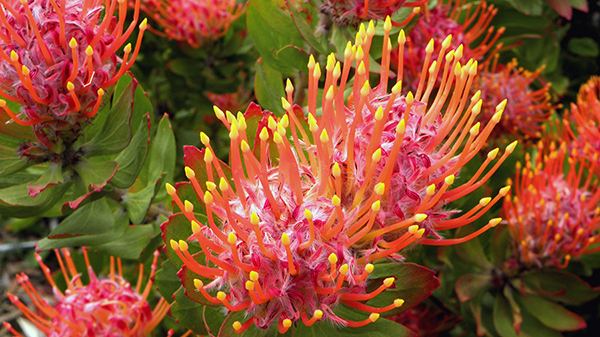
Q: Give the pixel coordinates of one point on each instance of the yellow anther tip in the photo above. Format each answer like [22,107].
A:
[170,189]
[198,283]
[398,302]
[249,285]
[287,323]
[308,214]
[420,217]
[183,245]
[174,244]
[344,269]
[318,314]
[373,317]
[231,238]
[369,268]
[237,325]
[254,220]
[253,276]
[221,296]
[195,227]
[332,258]
[376,206]
[379,189]
[484,201]
[493,222]
[70,85]
[285,239]
[388,281]
[73,43]
[449,180]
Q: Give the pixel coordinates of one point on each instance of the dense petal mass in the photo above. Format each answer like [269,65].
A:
[57,60]
[105,307]
[313,200]
[194,22]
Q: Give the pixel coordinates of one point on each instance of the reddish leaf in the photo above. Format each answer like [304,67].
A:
[470,285]
[559,285]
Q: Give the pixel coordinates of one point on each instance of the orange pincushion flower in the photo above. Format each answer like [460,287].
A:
[365,179]
[57,59]
[437,24]
[553,216]
[526,111]
[582,124]
[104,307]
[194,22]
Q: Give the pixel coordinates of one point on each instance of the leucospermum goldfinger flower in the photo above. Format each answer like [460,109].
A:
[349,12]
[57,59]
[355,184]
[527,110]
[554,216]
[194,22]
[105,307]
[467,23]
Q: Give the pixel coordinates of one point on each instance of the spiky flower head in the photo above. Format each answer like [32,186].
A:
[57,60]
[358,183]
[352,12]
[553,216]
[105,307]
[469,26]
[527,110]
[195,22]
[581,125]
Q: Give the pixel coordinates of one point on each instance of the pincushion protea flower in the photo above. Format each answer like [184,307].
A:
[194,22]
[581,125]
[354,185]
[553,217]
[351,12]
[527,109]
[104,307]
[57,59]
[467,23]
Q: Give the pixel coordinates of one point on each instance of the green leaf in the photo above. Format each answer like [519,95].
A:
[188,313]
[166,281]
[163,156]
[176,228]
[16,202]
[268,87]
[51,177]
[115,133]
[10,160]
[92,224]
[130,245]
[529,7]
[306,28]
[131,160]
[472,251]
[137,203]
[470,285]
[413,284]
[503,317]
[559,285]
[266,22]
[551,314]
[583,46]
[92,177]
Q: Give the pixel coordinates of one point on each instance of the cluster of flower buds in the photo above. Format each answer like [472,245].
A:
[553,217]
[194,22]
[104,307]
[468,24]
[311,202]
[57,60]
[350,12]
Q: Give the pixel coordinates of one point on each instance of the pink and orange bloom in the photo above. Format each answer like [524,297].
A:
[527,110]
[467,23]
[57,60]
[351,12]
[554,216]
[194,22]
[312,201]
[105,307]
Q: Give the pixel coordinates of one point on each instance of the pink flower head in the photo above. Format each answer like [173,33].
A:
[194,22]
[527,109]
[350,12]
[104,307]
[57,59]
[554,216]
[464,23]
[581,125]
[360,182]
